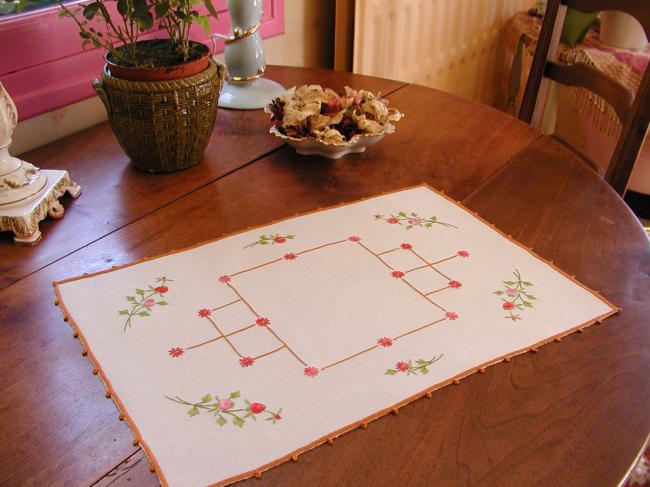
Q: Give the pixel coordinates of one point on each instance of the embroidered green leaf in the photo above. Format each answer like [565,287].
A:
[143,313]
[509,283]
[207,398]
[424,370]
[499,293]
[221,420]
[408,227]
[194,411]
[264,242]
[237,421]
[428,225]
[162,303]
[526,283]
[131,298]
[124,312]
[235,395]
[390,372]
[140,292]
[291,237]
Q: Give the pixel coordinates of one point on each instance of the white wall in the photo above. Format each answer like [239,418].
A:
[307,42]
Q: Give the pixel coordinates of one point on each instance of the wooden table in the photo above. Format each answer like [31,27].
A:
[575,414]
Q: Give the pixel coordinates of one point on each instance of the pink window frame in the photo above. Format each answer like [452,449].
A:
[45,67]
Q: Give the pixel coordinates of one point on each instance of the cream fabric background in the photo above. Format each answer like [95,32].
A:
[326,305]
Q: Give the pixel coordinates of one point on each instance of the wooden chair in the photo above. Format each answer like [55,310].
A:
[634,113]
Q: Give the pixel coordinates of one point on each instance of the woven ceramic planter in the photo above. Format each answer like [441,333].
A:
[163,126]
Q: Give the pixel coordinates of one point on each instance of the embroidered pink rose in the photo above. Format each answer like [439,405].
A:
[397,274]
[290,256]
[406,246]
[161,289]
[451,315]
[393,221]
[246,361]
[454,284]
[225,404]
[149,303]
[224,279]
[257,407]
[462,253]
[311,371]
[402,366]
[508,305]
[261,321]
[204,313]
[354,238]
[176,352]
[279,239]
[511,292]
[385,342]
[415,221]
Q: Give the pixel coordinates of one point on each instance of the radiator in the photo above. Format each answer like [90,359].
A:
[451,45]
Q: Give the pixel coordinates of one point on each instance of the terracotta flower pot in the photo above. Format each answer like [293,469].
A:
[163,73]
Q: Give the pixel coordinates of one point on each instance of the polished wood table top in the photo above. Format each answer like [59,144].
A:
[574,414]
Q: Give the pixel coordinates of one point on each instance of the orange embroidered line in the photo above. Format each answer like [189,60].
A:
[242,299]
[225,337]
[420,328]
[437,290]
[376,255]
[225,305]
[430,264]
[268,353]
[320,247]
[256,267]
[220,337]
[387,251]
[286,346]
[348,358]
[425,297]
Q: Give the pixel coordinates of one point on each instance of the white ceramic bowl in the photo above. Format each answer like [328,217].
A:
[310,146]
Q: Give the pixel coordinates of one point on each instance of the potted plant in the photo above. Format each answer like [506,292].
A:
[160,93]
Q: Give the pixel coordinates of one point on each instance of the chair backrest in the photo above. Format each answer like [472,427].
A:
[634,112]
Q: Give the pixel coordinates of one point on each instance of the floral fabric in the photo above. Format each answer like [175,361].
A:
[376,302]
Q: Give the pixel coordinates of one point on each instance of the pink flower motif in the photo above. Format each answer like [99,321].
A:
[204,313]
[397,274]
[176,352]
[277,417]
[290,256]
[225,404]
[149,303]
[451,315]
[354,238]
[392,220]
[161,289]
[385,342]
[279,239]
[261,321]
[224,279]
[246,361]
[511,292]
[454,284]
[311,371]
[508,305]
[406,246]
[415,221]
[402,366]
[462,253]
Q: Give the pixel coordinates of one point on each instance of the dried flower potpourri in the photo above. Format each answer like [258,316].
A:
[309,111]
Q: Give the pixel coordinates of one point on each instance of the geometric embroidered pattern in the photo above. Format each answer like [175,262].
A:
[258,319]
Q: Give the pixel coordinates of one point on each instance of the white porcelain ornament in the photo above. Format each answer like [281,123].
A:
[27,194]
[245,59]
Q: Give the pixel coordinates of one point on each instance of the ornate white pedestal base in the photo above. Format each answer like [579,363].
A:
[249,95]
[23,217]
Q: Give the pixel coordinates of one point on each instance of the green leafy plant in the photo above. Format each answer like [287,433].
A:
[119,33]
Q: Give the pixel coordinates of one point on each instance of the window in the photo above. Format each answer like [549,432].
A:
[44,67]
